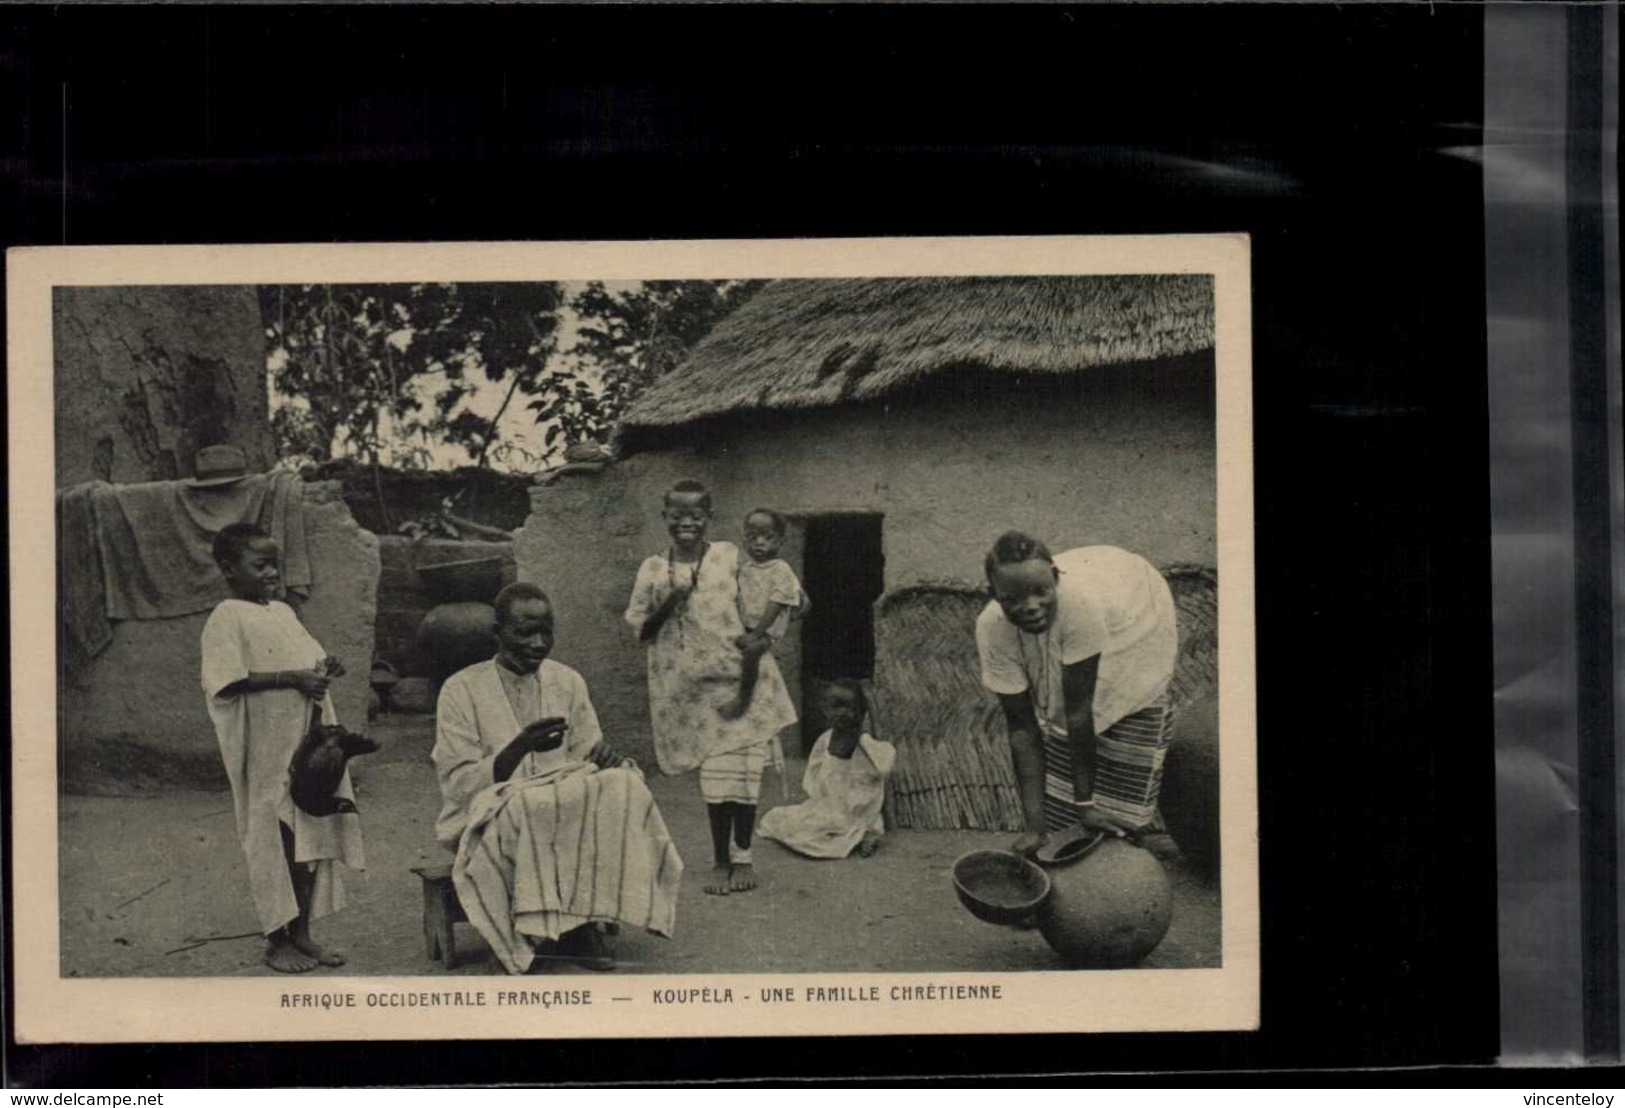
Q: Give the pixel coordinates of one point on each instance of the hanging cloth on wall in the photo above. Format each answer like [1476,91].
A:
[146,551]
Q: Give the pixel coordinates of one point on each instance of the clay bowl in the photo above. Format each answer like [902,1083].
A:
[997,886]
[471,579]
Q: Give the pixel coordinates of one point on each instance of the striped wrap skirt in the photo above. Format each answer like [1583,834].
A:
[1128,770]
[734,776]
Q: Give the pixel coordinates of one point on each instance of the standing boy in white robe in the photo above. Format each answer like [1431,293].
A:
[262,674]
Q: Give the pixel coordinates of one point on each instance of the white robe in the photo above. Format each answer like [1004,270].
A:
[258,733]
[1110,603]
[475,721]
[557,845]
[844,799]
[694,666]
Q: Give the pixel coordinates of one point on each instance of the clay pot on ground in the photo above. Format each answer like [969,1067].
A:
[1189,800]
[1109,903]
[456,635]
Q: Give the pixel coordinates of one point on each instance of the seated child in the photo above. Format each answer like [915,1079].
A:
[263,675]
[845,783]
[768,594]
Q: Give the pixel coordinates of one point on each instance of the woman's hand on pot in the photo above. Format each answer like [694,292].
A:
[1029,842]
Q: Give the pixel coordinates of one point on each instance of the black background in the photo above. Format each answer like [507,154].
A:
[1326,133]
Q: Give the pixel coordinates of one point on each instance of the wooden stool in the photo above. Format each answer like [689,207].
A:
[442,911]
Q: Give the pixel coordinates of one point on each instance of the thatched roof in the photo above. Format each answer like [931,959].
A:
[811,343]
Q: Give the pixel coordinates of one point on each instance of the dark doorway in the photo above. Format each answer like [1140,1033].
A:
[844,572]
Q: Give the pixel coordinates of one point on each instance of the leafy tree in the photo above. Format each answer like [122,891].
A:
[506,332]
[360,355]
[331,348]
[383,371]
[625,340]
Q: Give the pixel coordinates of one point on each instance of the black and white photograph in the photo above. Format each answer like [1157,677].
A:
[826,636]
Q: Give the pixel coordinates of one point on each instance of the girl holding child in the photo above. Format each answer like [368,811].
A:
[685,609]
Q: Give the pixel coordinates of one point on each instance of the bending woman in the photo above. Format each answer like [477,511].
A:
[1079,648]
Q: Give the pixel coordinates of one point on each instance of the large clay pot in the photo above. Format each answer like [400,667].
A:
[1190,785]
[452,636]
[1109,903]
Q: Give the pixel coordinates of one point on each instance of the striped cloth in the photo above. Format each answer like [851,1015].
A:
[734,776]
[1128,769]
[545,855]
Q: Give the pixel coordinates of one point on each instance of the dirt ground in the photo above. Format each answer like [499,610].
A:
[154,886]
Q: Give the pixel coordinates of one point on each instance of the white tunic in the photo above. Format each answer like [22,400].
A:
[1111,603]
[258,734]
[477,717]
[844,799]
[694,666]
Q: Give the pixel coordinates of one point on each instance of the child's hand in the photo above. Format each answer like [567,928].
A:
[312,682]
[1029,842]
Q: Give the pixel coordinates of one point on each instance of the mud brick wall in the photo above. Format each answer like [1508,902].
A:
[402,599]
[135,718]
[145,376]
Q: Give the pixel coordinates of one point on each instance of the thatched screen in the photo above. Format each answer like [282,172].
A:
[953,761]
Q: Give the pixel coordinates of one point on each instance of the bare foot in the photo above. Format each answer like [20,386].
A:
[718,885]
[734,708]
[316,950]
[867,847]
[743,878]
[282,956]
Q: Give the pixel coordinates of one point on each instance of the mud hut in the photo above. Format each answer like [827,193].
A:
[902,424]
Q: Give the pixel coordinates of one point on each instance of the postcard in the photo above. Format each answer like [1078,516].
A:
[619,639]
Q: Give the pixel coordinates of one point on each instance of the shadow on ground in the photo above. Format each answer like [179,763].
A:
[154,886]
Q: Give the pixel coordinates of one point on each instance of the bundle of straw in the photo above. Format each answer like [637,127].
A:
[1196,597]
[953,767]
[953,761]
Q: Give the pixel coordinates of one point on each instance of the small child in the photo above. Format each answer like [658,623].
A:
[768,595]
[685,610]
[262,676]
[845,783]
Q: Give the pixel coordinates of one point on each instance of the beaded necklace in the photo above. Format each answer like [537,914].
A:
[671,580]
[1043,692]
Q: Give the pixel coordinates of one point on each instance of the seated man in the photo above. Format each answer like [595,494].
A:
[537,803]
